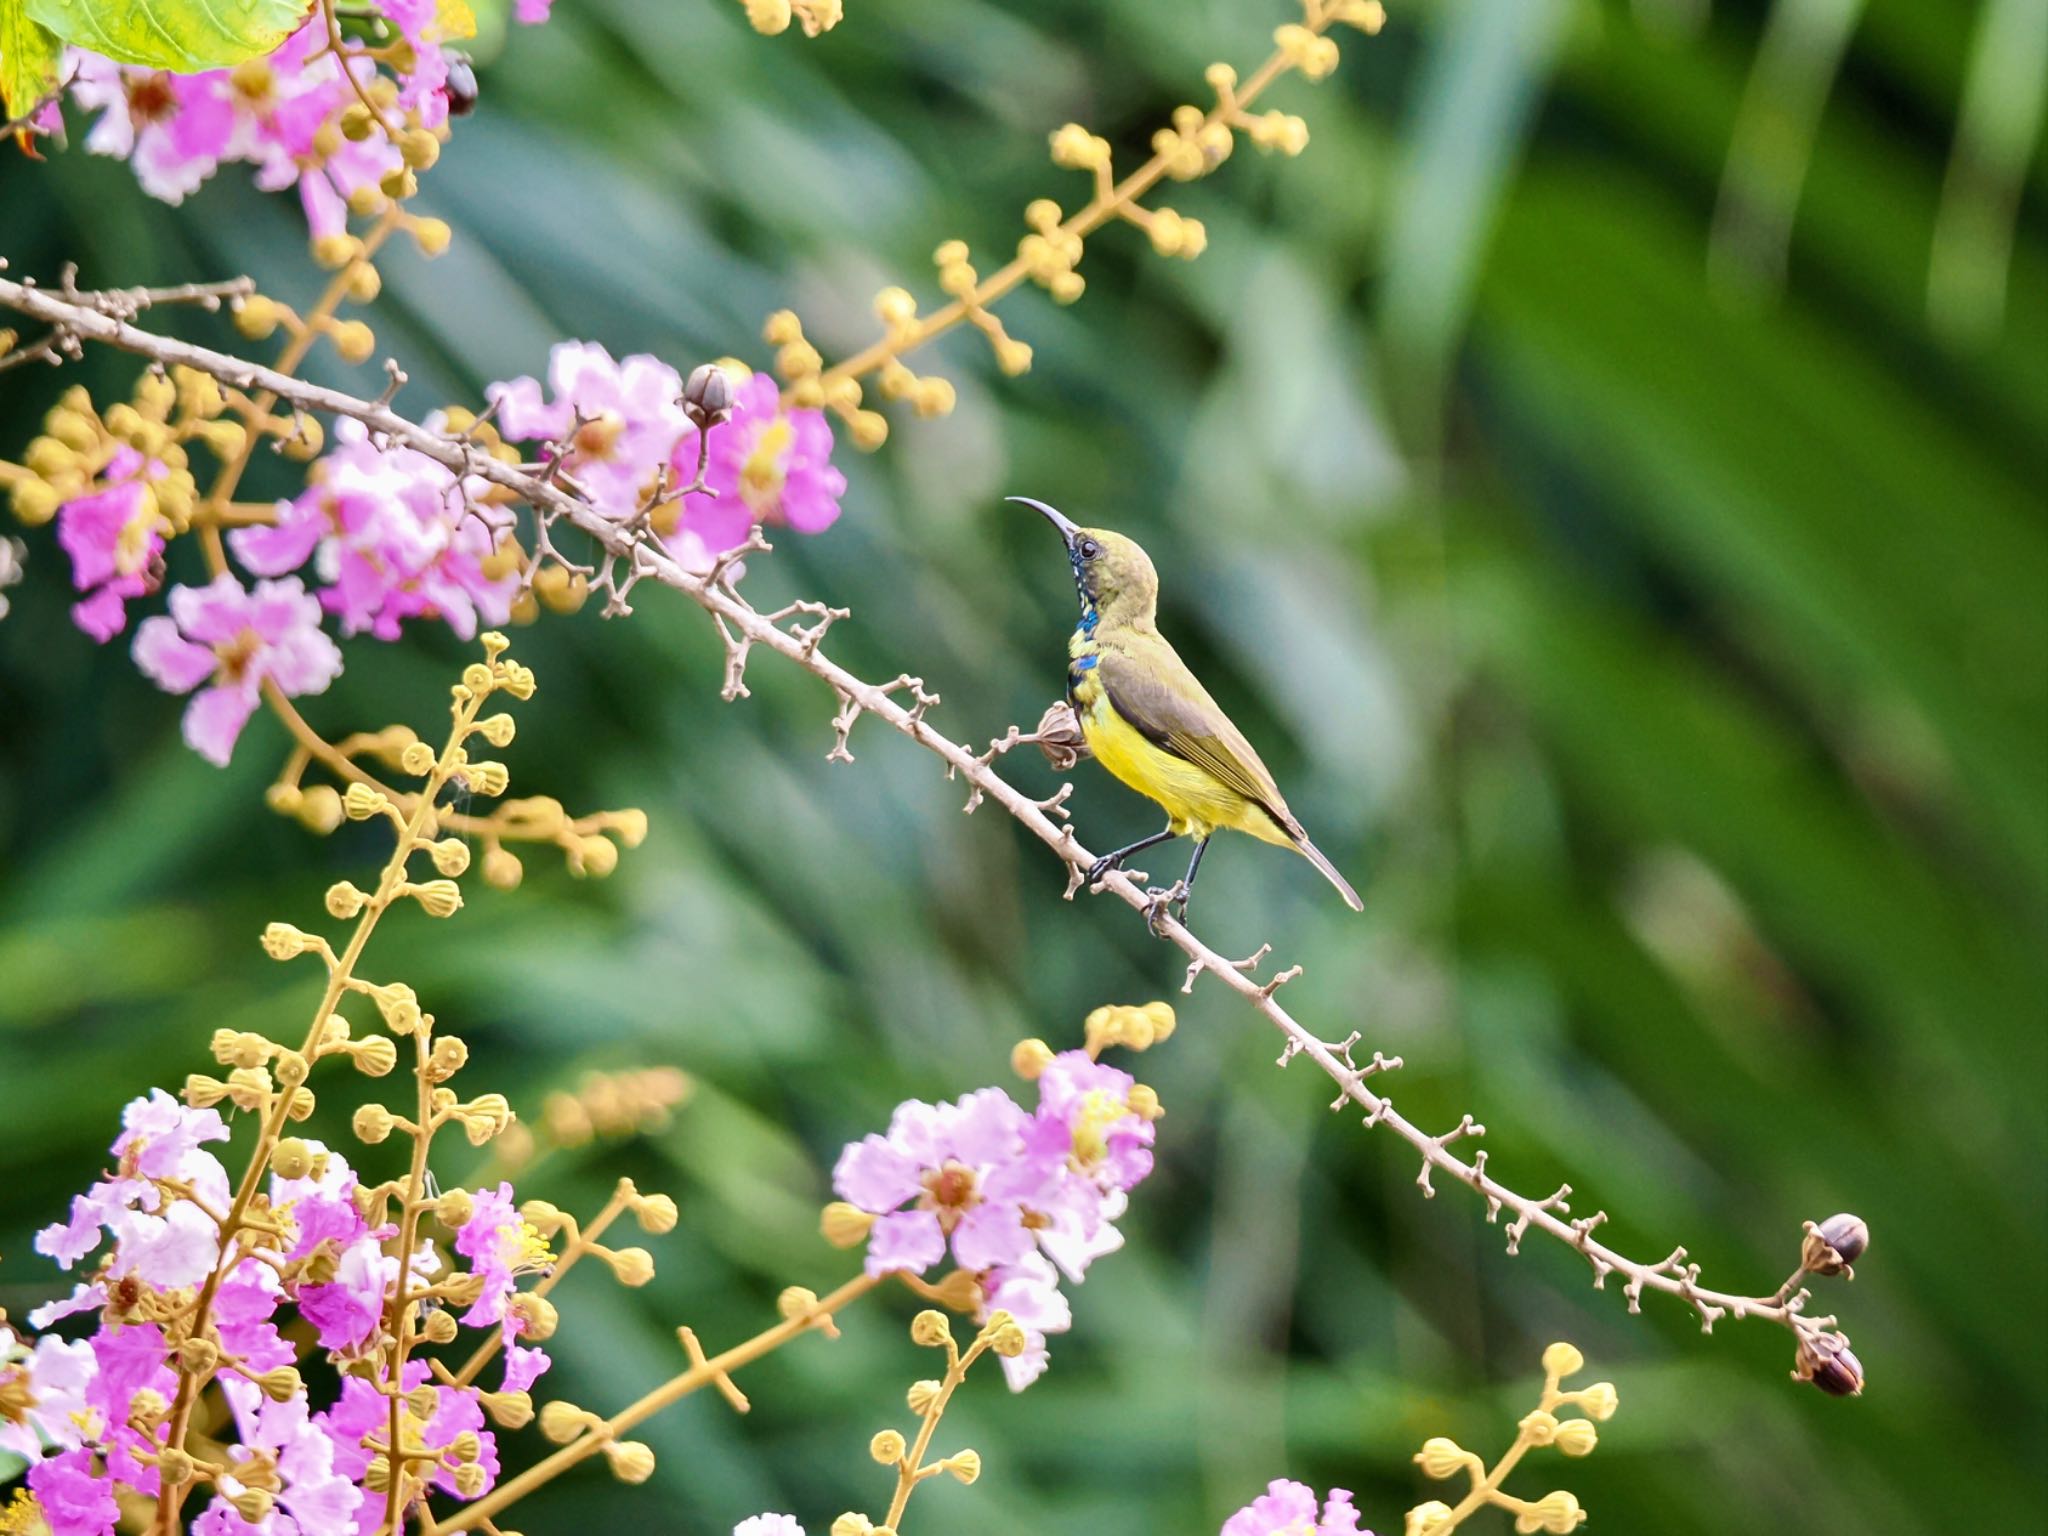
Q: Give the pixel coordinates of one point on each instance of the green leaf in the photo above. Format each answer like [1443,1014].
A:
[28,60]
[180,35]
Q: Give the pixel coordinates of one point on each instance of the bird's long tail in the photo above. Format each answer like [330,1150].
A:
[1314,855]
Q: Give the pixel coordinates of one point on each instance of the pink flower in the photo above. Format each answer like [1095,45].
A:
[617,422]
[173,129]
[493,1240]
[345,1311]
[239,640]
[532,13]
[115,540]
[319,1499]
[75,1500]
[769,1525]
[392,533]
[58,1374]
[963,1170]
[1029,1290]
[160,1139]
[1289,1509]
[768,465]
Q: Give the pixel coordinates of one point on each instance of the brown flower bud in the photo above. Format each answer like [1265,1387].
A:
[707,397]
[1060,739]
[1835,1244]
[460,86]
[1826,1360]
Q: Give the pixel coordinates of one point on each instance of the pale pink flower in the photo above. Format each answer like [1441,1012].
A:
[959,1173]
[767,464]
[391,533]
[1290,1509]
[769,1525]
[60,1373]
[234,641]
[616,423]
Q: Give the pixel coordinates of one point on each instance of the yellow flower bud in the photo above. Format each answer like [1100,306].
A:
[354,340]
[930,1328]
[845,1226]
[470,1479]
[887,1448]
[1441,1458]
[632,1266]
[632,1461]
[768,17]
[561,1422]
[344,900]
[432,236]
[497,729]
[439,1327]
[869,430]
[1562,1360]
[1425,1519]
[508,1410]
[656,1213]
[1029,1058]
[596,856]
[1540,1426]
[375,1057]
[281,1384]
[502,869]
[291,1159]
[361,802]
[254,1504]
[281,941]
[1557,1513]
[1599,1400]
[795,1302]
[1576,1437]
[440,898]
[964,1465]
[372,1123]
[537,1315]
[923,1396]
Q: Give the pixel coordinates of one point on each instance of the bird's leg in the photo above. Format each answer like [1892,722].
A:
[1109,861]
[1187,883]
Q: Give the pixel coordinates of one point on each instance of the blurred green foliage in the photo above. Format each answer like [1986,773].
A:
[1638,593]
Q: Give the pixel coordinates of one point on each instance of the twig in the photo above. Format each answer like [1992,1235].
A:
[745,628]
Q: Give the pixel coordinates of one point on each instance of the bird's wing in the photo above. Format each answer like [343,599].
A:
[1160,697]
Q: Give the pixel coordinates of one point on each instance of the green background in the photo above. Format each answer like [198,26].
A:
[1639,589]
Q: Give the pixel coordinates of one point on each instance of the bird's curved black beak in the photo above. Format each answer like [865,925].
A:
[1058,519]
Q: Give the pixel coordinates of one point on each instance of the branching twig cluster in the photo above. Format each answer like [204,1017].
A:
[796,633]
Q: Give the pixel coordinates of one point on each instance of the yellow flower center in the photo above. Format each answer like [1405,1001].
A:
[1099,1111]
[762,474]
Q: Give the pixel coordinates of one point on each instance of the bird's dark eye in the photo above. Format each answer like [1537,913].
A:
[1090,549]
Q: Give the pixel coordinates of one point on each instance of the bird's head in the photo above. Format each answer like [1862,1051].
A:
[1112,575]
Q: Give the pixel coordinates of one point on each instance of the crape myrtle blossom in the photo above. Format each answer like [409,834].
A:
[1017,1197]
[1290,1509]
[393,535]
[233,641]
[620,436]
[278,113]
[115,540]
[89,1416]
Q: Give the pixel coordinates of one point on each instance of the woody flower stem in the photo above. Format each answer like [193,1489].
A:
[598,1435]
[340,972]
[746,628]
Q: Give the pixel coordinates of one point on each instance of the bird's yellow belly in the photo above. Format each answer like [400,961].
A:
[1194,801]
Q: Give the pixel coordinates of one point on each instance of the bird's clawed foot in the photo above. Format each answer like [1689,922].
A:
[1160,904]
[1108,862]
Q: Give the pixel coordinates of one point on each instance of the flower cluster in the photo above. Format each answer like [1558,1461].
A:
[344,120]
[1017,1197]
[1290,1509]
[100,1406]
[197,1284]
[617,433]
[393,535]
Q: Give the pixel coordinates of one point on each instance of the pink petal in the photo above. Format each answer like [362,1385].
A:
[168,659]
[214,720]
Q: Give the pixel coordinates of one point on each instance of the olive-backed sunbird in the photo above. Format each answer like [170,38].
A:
[1148,721]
